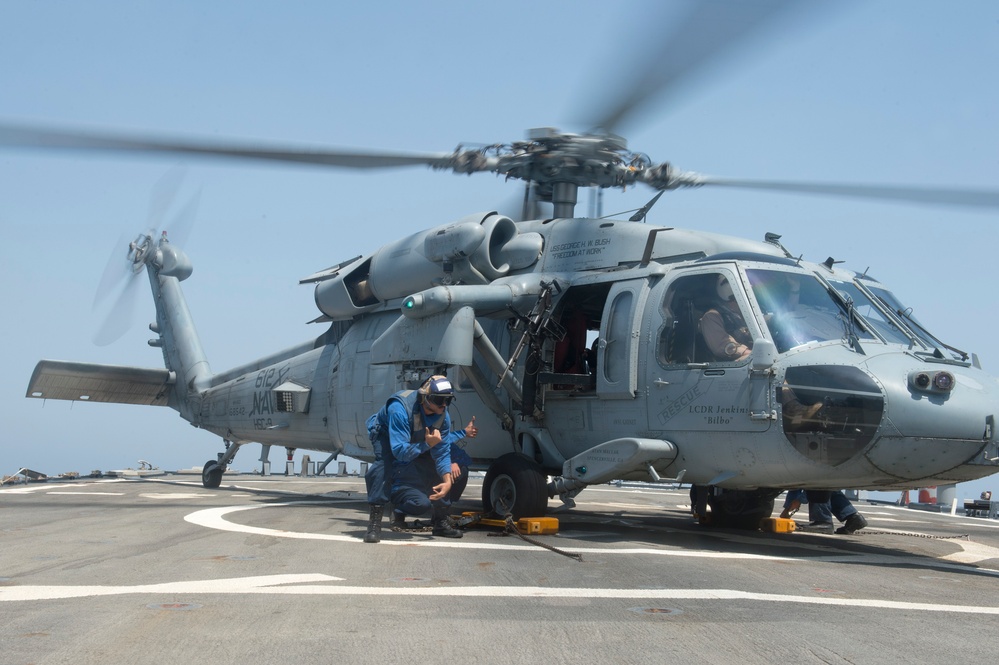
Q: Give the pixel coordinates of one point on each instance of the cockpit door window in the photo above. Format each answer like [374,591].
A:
[705,321]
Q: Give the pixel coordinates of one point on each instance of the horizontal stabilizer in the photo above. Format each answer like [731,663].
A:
[89,382]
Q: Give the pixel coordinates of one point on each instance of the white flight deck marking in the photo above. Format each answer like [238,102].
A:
[263,487]
[213,518]
[231,585]
[266,585]
[182,495]
[42,487]
[637,506]
[973,552]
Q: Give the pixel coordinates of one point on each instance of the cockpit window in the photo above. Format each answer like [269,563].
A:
[705,322]
[799,309]
[904,313]
[878,320]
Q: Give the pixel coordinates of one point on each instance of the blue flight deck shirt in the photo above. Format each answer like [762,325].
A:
[404,450]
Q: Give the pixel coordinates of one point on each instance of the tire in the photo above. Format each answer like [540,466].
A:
[515,483]
[741,509]
[211,475]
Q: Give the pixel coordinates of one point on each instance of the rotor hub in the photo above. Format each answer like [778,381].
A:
[549,157]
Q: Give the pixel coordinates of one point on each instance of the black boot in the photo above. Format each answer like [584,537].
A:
[442,525]
[853,524]
[374,533]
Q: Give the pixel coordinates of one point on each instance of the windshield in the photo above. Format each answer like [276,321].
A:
[799,309]
[889,300]
[877,319]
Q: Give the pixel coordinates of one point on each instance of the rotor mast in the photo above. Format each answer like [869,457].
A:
[564,195]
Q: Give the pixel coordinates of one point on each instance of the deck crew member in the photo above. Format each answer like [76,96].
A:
[412,438]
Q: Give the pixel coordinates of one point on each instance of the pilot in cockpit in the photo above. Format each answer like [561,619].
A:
[724,330]
[724,327]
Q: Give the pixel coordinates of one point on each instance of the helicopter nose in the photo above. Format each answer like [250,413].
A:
[891,417]
[944,431]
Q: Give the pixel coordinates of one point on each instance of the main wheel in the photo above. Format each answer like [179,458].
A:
[515,484]
[211,475]
[741,509]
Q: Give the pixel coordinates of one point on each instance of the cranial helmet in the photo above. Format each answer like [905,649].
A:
[724,289]
[437,385]
[437,390]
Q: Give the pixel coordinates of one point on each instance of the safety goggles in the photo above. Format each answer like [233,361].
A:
[440,400]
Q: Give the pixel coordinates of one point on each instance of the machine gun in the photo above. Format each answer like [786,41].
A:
[537,322]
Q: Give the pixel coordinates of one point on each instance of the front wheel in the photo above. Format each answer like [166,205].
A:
[211,475]
[515,484]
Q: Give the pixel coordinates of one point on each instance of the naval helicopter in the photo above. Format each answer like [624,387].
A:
[497,302]
[583,340]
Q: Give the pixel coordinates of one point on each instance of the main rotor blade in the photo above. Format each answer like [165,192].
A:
[975,198]
[21,136]
[712,30]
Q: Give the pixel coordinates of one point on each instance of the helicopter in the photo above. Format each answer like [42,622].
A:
[497,302]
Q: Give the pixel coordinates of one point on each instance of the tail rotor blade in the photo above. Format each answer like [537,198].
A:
[121,315]
[164,192]
[117,270]
[179,229]
[121,273]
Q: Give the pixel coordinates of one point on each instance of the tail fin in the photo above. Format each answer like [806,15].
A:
[187,372]
[166,267]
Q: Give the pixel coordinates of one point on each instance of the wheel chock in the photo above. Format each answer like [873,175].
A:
[777,525]
[534,526]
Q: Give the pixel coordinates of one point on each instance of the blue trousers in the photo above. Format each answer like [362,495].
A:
[378,480]
[458,486]
[412,484]
[822,506]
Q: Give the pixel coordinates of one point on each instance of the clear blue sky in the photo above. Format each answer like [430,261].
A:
[893,91]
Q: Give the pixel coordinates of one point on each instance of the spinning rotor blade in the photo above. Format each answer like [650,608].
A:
[163,194]
[712,31]
[124,272]
[975,198]
[117,270]
[121,314]
[119,267]
[179,230]
[36,137]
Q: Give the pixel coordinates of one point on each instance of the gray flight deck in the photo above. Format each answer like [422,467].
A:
[273,570]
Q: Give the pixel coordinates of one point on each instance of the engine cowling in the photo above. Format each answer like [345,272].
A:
[473,250]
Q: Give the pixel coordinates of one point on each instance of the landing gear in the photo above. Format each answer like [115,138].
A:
[740,509]
[211,475]
[515,484]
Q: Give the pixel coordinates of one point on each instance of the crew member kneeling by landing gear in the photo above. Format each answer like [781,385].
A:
[412,439]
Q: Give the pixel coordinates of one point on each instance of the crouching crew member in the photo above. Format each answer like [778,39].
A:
[412,439]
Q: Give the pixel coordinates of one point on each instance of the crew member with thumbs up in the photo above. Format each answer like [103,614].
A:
[412,433]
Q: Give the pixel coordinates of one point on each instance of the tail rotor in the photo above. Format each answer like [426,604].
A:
[124,268]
